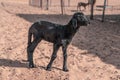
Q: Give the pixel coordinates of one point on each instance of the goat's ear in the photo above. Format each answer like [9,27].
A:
[74,23]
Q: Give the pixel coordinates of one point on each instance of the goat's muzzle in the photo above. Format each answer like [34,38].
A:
[88,22]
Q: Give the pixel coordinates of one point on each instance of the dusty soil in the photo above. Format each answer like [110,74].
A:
[94,53]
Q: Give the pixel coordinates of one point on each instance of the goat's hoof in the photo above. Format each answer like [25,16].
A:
[31,66]
[48,69]
[65,69]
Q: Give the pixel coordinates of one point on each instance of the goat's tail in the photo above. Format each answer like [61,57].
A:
[29,37]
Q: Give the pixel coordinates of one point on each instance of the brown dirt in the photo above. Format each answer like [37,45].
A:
[94,53]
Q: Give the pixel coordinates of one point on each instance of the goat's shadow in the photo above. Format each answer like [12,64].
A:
[43,67]
[58,18]
[13,63]
[99,39]
[20,64]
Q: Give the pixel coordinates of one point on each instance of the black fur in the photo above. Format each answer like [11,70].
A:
[59,35]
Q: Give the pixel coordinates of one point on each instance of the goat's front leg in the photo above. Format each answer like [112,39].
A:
[30,50]
[54,55]
[64,49]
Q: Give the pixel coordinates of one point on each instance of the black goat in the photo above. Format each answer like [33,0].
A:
[59,35]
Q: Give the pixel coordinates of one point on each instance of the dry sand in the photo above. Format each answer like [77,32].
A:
[94,53]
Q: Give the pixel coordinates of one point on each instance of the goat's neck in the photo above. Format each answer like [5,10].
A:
[70,29]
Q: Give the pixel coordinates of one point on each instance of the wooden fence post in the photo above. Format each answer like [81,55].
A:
[103,15]
[92,2]
[62,7]
[91,16]
[41,4]
[68,3]
[47,5]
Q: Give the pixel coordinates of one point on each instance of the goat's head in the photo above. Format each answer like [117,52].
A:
[79,19]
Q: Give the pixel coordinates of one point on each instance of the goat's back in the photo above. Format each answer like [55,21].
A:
[48,31]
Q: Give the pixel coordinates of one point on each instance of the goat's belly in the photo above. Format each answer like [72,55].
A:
[49,39]
[51,35]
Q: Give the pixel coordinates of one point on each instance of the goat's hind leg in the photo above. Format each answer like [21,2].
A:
[30,51]
[31,37]
[54,55]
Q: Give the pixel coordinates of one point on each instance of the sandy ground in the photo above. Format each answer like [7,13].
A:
[94,53]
